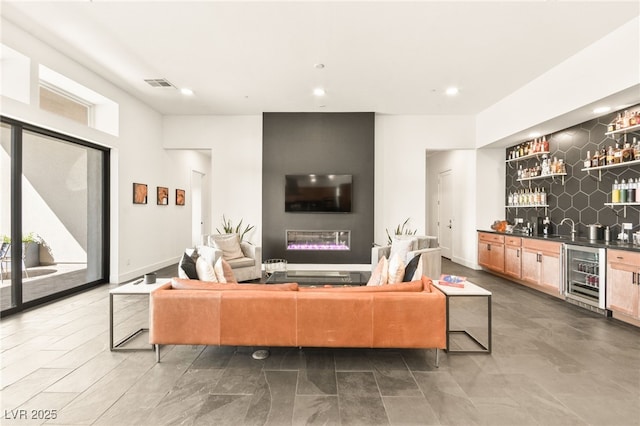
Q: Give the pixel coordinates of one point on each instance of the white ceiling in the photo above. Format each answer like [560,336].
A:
[387,57]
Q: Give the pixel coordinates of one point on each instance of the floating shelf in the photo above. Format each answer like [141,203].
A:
[623,205]
[525,157]
[625,130]
[524,206]
[610,166]
[552,175]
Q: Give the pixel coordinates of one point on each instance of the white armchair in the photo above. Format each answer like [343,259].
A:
[246,268]
[425,246]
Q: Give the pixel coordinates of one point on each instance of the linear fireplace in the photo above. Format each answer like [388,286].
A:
[318,240]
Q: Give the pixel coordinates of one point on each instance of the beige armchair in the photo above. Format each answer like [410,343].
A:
[425,246]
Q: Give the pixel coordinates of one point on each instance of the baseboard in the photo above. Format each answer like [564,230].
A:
[464,262]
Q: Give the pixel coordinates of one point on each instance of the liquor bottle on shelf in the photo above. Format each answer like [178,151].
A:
[617,154]
[587,161]
[595,160]
[615,192]
[631,192]
[602,158]
[610,155]
[636,149]
[624,191]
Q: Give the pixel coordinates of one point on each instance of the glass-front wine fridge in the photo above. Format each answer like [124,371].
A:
[584,276]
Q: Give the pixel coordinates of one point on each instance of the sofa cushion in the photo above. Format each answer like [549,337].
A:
[224,273]
[401,287]
[182,284]
[229,244]
[205,270]
[242,262]
[396,270]
[413,270]
[380,274]
[187,267]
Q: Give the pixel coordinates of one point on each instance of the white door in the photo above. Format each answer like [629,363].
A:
[197,223]
[445,212]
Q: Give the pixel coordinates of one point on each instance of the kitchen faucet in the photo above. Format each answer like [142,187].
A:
[573,226]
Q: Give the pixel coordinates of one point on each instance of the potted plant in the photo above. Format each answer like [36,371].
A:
[228,228]
[401,230]
[30,248]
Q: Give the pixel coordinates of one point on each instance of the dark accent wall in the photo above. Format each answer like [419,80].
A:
[322,143]
[582,196]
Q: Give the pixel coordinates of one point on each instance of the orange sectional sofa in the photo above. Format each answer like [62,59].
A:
[403,315]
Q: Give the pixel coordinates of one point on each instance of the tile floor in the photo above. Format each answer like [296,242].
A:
[552,364]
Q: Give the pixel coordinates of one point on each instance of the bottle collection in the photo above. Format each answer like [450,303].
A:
[527,197]
[588,269]
[546,168]
[614,155]
[535,146]
[626,192]
[624,120]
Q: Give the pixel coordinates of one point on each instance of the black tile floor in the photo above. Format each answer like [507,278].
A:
[552,364]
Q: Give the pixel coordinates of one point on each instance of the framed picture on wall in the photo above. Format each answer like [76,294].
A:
[163,196]
[139,193]
[179,197]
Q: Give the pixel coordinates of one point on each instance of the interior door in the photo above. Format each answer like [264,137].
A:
[445,212]
[197,223]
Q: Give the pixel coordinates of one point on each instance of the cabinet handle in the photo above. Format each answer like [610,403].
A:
[488,247]
[518,253]
[633,278]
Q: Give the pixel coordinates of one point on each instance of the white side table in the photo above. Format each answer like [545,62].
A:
[135,288]
[469,290]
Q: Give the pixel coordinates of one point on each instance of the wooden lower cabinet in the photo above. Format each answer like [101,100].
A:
[491,251]
[541,265]
[623,284]
[513,257]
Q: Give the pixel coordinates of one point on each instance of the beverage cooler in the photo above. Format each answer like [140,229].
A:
[584,274]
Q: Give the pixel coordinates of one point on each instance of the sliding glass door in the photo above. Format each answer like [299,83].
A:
[62,216]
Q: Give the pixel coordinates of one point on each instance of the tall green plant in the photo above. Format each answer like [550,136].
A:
[227,227]
[401,229]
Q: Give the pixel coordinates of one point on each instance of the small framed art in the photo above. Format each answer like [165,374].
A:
[163,195]
[139,193]
[179,197]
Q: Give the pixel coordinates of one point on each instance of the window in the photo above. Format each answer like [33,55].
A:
[55,100]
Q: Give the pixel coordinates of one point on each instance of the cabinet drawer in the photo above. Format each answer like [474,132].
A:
[625,257]
[513,241]
[490,238]
[545,246]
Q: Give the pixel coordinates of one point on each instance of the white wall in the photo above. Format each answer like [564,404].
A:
[400,177]
[608,66]
[236,163]
[143,237]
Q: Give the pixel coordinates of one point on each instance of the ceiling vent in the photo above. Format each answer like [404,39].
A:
[158,82]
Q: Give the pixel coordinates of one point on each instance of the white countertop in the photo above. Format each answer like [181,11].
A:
[142,288]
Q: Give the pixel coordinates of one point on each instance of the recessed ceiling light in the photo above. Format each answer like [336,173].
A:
[186,91]
[602,109]
[319,66]
[451,91]
[319,91]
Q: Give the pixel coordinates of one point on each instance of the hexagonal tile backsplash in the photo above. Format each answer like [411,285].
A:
[582,196]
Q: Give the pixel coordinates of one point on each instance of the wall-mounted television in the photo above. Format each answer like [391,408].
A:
[323,193]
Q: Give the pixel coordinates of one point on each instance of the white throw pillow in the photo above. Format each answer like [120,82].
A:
[205,271]
[396,270]
[209,254]
[402,246]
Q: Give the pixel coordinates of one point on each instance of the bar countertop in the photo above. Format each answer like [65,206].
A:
[566,239]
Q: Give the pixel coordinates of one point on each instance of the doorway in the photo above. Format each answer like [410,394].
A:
[197,220]
[445,212]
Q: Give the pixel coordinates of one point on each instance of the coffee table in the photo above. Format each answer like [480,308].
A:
[351,278]
[135,288]
[469,290]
